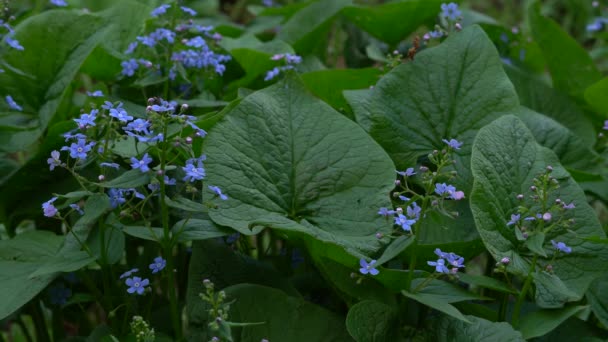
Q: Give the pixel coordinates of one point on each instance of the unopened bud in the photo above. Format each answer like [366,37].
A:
[397,182]
[532,188]
[558,201]
[151,101]
[458,26]
[549,268]
[549,168]
[547,216]
[379,235]
[396,52]
[525,235]
[520,197]
[505,261]
[399,210]
[424,169]
[101,178]
[159,172]
[149,109]
[184,107]
[188,140]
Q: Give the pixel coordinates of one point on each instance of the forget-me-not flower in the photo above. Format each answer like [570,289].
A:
[48,208]
[368,268]
[142,164]
[137,285]
[158,264]
[218,191]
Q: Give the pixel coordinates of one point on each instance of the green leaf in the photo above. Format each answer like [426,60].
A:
[286,318]
[449,91]
[64,262]
[114,242]
[404,16]
[289,161]
[551,291]
[395,248]
[595,95]
[95,207]
[597,297]
[539,323]
[369,321]
[147,233]
[329,84]
[185,204]
[306,29]
[129,179]
[486,282]
[535,243]
[19,257]
[571,67]
[443,291]
[505,160]
[438,304]
[537,95]
[479,329]
[197,229]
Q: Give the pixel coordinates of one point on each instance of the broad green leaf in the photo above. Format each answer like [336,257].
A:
[551,291]
[371,321]
[49,68]
[285,318]
[486,282]
[329,84]
[573,152]
[129,179]
[438,304]
[69,261]
[95,207]
[185,204]
[197,229]
[444,291]
[395,248]
[448,329]
[538,96]
[595,96]
[539,323]
[289,161]
[114,242]
[505,160]
[447,92]
[308,27]
[571,67]
[597,297]
[404,16]
[147,233]
[19,257]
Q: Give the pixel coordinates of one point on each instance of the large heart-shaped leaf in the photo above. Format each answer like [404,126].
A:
[290,161]
[505,159]
[453,330]
[371,321]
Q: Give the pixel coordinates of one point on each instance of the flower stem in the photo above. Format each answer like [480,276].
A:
[522,294]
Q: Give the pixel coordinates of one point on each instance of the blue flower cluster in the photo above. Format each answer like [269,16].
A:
[12,42]
[447,259]
[450,19]
[290,61]
[138,285]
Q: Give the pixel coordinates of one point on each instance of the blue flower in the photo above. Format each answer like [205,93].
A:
[597,25]
[132,46]
[194,173]
[163,33]
[453,143]
[170,181]
[112,165]
[385,212]
[138,125]
[80,149]
[54,161]
[146,40]
[436,34]
[407,173]
[96,93]
[119,113]
[137,285]
[439,266]
[188,10]
[368,268]
[560,246]
[142,164]
[197,42]
[568,206]
[272,74]
[158,264]
[146,139]
[129,67]
[116,197]
[48,208]
[162,9]
[59,294]
[403,198]
[136,193]
[128,273]
[60,3]
[414,211]
[87,119]
[450,11]
[12,104]
[404,222]
[77,208]
[514,219]
[218,191]
[14,43]
[442,189]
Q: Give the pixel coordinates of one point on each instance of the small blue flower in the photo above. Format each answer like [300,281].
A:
[504,37]
[562,247]
[69,136]
[146,40]
[414,211]
[597,25]
[218,191]
[59,294]
[514,219]
[404,222]
[188,10]
[60,3]
[12,104]
[86,119]
[112,165]
[385,212]
[368,268]
[436,34]
[77,208]
[116,197]
[194,173]
[132,46]
[407,173]
[442,189]
[137,285]
[450,11]
[128,273]
[568,206]
[439,266]
[96,93]
[129,67]
[142,164]
[119,113]
[158,264]
[162,33]
[136,193]
[170,181]
[272,74]
[138,125]
[54,161]
[403,198]
[14,43]
[48,208]
[453,143]
[162,9]
[80,149]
